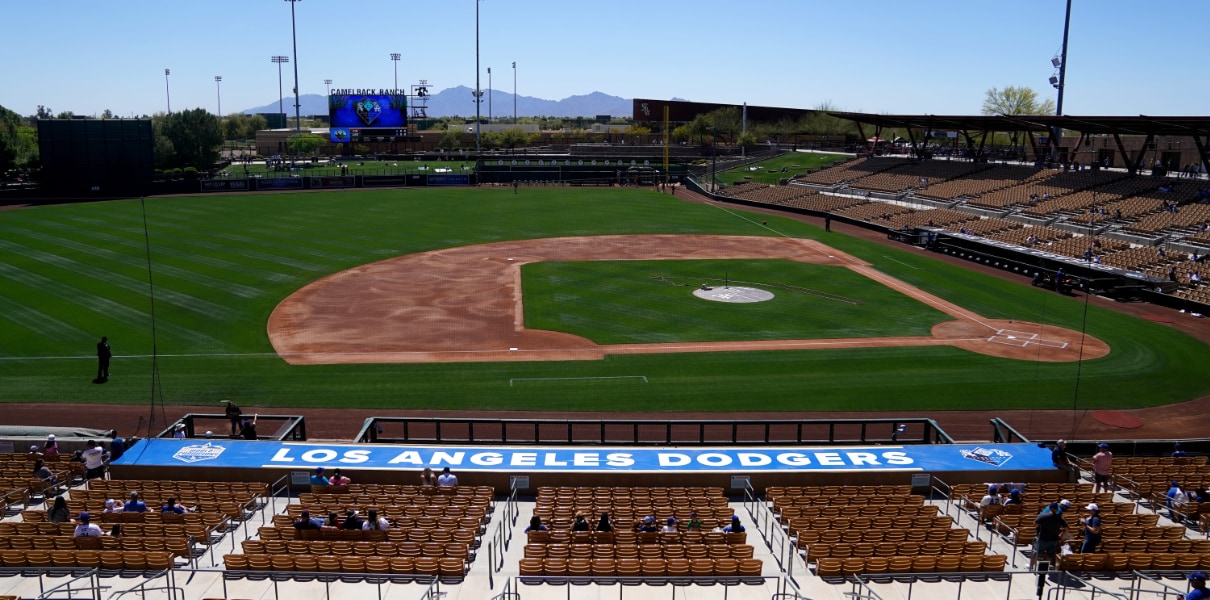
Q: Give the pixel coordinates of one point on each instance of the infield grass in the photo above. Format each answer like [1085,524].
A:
[71,273]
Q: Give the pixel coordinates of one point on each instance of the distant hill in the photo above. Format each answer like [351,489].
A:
[457,101]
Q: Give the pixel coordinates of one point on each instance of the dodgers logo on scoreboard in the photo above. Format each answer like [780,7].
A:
[990,456]
[195,453]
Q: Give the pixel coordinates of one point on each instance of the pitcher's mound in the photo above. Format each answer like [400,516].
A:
[733,294]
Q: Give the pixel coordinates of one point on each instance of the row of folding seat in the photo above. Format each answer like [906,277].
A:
[1134,561]
[121,488]
[642,537]
[132,560]
[416,490]
[847,501]
[401,522]
[864,549]
[1110,532]
[1108,519]
[638,551]
[631,567]
[207,518]
[946,563]
[178,546]
[902,510]
[422,566]
[332,534]
[703,491]
[455,549]
[841,523]
[388,500]
[836,536]
[433,512]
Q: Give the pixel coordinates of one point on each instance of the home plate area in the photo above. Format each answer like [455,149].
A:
[1023,339]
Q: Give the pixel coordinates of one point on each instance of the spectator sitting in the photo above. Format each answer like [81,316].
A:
[694,523]
[51,446]
[305,521]
[1014,497]
[992,497]
[43,473]
[114,506]
[648,525]
[317,478]
[604,525]
[173,507]
[77,456]
[1177,452]
[58,513]
[670,525]
[427,479]
[580,524]
[86,528]
[735,526]
[535,524]
[1176,500]
[447,479]
[333,520]
[338,479]
[1059,456]
[351,521]
[374,522]
[1197,581]
[134,504]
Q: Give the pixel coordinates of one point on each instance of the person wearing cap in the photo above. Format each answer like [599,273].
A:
[134,504]
[114,506]
[1051,528]
[1176,500]
[248,429]
[1014,497]
[352,521]
[1197,581]
[649,525]
[1177,452]
[1102,469]
[991,498]
[1061,459]
[1064,505]
[318,478]
[670,525]
[694,523]
[86,527]
[339,479]
[735,526]
[304,521]
[117,445]
[447,479]
[1092,529]
[94,460]
[51,447]
[233,413]
[178,432]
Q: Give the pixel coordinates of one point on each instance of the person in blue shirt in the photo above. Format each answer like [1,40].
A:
[317,478]
[535,524]
[306,522]
[1197,581]
[1176,501]
[173,507]
[134,504]
[1177,452]
[735,526]
[117,445]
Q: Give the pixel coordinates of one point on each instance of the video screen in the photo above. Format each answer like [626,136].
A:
[350,114]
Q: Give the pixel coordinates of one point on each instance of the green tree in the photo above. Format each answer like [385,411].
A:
[822,123]
[1016,101]
[196,137]
[18,141]
[304,144]
[450,140]
[513,138]
[253,124]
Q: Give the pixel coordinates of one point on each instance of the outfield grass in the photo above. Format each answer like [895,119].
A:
[771,171]
[71,273]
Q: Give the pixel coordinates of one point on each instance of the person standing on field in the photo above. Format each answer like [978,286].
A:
[104,353]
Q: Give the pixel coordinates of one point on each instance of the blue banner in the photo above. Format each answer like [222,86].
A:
[449,179]
[279,183]
[307,455]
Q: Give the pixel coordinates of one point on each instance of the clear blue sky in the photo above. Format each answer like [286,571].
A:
[886,56]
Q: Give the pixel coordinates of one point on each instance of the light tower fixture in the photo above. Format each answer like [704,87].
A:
[328,83]
[294,40]
[167,91]
[489,94]
[218,90]
[395,56]
[514,92]
[278,60]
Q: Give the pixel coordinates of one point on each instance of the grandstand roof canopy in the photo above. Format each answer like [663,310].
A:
[1140,125]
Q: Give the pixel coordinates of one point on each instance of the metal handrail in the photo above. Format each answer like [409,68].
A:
[91,575]
[1059,592]
[142,588]
[1139,577]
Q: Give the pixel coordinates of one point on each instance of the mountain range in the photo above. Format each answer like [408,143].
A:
[457,101]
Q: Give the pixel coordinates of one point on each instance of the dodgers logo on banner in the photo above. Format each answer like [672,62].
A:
[994,457]
[192,454]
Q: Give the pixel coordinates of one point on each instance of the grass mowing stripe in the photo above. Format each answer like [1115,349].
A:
[139,262]
[38,323]
[135,286]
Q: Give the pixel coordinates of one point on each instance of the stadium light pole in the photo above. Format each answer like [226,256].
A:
[167,91]
[514,92]
[280,99]
[218,90]
[328,84]
[489,94]
[478,93]
[395,56]
[294,40]
[1058,132]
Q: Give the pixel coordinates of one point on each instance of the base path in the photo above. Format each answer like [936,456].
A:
[465,304]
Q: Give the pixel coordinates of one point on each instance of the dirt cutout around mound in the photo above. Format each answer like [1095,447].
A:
[465,304]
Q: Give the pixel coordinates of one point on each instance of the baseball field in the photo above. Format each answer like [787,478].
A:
[551,299]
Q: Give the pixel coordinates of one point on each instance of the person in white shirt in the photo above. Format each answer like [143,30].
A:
[94,460]
[86,528]
[670,525]
[447,479]
[374,522]
[991,498]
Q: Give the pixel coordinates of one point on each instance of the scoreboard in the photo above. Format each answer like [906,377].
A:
[367,116]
